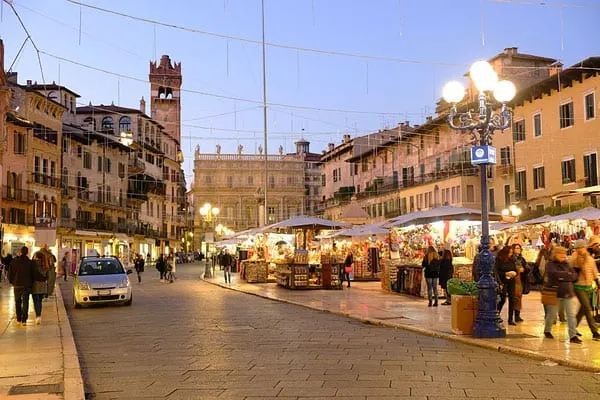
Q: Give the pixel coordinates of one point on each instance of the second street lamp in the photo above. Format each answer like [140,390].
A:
[482,127]
[209,216]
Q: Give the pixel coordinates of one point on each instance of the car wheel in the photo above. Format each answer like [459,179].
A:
[128,302]
[75,303]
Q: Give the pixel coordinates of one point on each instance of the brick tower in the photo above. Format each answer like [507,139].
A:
[165,95]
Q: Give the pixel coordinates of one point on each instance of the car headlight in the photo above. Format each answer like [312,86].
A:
[83,285]
[124,283]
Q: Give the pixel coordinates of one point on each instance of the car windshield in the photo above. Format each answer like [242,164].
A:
[101,267]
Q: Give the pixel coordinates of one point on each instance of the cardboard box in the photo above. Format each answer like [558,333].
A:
[464,312]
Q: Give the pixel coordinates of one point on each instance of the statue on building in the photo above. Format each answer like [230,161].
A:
[280,150]
[260,149]
[197,152]
[219,149]
[240,149]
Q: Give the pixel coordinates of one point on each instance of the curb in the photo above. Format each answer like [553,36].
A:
[501,348]
[73,381]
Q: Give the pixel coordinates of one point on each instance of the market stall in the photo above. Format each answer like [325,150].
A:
[450,228]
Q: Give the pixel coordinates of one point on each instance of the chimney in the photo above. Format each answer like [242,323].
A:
[346,138]
[28,82]
[12,77]
[511,51]
[407,124]
[555,69]
[143,105]
[330,146]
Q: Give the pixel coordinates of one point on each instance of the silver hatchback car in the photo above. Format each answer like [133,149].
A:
[101,280]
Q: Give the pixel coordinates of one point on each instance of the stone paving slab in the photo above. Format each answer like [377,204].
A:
[369,303]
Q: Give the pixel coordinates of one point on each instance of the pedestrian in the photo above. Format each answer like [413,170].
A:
[431,265]
[171,268]
[161,266]
[39,290]
[446,272]
[521,280]
[220,259]
[63,266]
[227,260]
[139,267]
[5,264]
[48,262]
[558,283]
[348,266]
[21,275]
[593,249]
[507,271]
[587,275]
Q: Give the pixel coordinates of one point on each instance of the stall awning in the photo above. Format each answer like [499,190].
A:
[443,213]
[586,191]
[85,233]
[362,231]
[304,222]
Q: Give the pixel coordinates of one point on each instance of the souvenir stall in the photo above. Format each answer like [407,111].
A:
[452,228]
[303,268]
[262,253]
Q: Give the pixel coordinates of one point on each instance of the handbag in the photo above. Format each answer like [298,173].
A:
[549,296]
[348,269]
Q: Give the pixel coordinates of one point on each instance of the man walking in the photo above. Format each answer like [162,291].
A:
[21,276]
[228,261]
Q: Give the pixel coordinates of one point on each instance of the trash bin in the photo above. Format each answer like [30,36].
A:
[464,312]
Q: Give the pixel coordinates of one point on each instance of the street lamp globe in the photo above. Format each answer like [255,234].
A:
[453,92]
[505,212]
[215,211]
[505,91]
[484,76]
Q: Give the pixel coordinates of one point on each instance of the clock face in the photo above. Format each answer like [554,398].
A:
[479,153]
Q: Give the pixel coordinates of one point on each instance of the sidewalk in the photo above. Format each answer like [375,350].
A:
[37,361]
[368,302]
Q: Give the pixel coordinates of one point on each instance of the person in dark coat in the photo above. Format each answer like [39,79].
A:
[521,280]
[139,267]
[507,271]
[161,266]
[560,276]
[39,290]
[431,265]
[348,263]
[446,272]
[227,261]
[21,277]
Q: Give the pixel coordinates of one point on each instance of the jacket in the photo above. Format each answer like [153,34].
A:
[21,272]
[227,260]
[432,270]
[560,276]
[503,267]
[40,283]
[139,265]
[587,273]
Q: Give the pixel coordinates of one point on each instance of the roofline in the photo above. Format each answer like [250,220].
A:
[39,86]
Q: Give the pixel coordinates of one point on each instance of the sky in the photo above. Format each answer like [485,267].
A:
[405,50]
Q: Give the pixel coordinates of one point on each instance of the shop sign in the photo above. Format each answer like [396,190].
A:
[483,155]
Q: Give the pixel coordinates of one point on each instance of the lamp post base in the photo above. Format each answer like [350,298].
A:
[207,270]
[487,323]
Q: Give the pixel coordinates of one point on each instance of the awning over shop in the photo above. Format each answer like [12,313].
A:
[304,222]
[122,237]
[443,213]
[586,191]
[85,233]
[588,213]
[363,230]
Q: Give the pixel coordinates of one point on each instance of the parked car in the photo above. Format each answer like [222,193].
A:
[101,280]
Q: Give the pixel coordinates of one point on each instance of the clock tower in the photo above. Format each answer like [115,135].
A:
[165,95]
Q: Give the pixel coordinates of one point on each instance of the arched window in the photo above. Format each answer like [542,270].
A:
[124,124]
[53,96]
[90,122]
[108,125]
[161,93]
[168,93]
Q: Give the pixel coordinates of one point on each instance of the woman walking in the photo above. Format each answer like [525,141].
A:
[40,284]
[507,271]
[520,280]
[558,283]
[587,274]
[348,262]
[446,272]
[431,264]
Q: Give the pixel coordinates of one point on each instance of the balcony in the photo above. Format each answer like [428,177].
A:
[12,194]
[19,219]
[106,226]
[45,180]
[101,198]
[136,166]
[69,191]
[67,223]
[45,222]
[504,170]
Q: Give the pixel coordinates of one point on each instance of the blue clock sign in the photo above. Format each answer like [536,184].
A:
[483,155]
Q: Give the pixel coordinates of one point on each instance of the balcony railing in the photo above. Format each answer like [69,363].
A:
[95,225]
[13,194]
[101,198]
[136,165]
[46,180]
[20,219]
[504,170]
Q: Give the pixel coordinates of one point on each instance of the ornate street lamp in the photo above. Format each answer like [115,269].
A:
[512,211]
[482,127]
[209,215]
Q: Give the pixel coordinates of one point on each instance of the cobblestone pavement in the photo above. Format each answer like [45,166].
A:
[193,340]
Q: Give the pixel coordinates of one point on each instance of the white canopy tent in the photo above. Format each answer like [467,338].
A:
[447,213]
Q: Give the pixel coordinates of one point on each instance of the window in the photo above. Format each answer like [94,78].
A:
[557,203]
[437,137]
[505,155]
[590,109]
[568,171]
[87,160]
[230,182]
[412,203]
[107,165]
[65,178]
[250,180]
[108,125]
[422,142]
[121,170]
[323,180]
[124,124]
[521,185]
[65,148]
[207,179]
[537,125]
[422,172]
[492,200]
[99,164]
[408,149]
[519,131]
[20,143]
[90,122]
[506,196]
[539,178]
[539,208]
[335,177]
[567,118]
[470,194]
[271,214]
[272,182]
[364,165]
[438,164]
[590,169]
[44,166]
[79,151]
